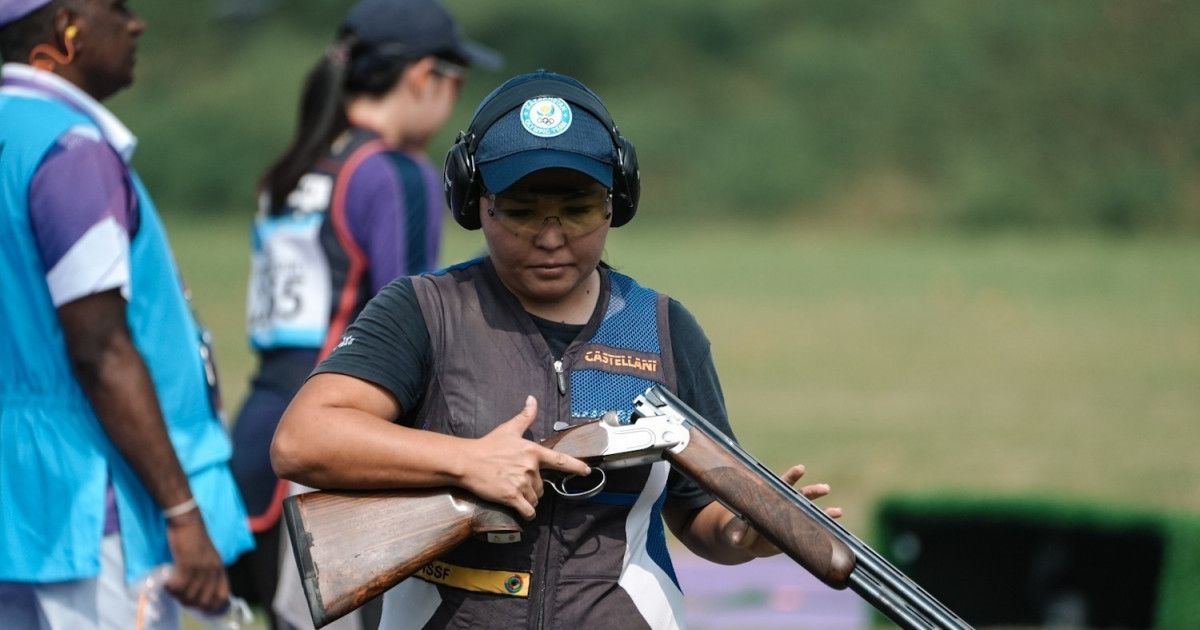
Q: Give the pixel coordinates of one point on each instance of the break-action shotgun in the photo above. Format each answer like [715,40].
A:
[351,546]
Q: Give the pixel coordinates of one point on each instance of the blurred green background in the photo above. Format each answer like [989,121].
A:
[937,245]
[908,114]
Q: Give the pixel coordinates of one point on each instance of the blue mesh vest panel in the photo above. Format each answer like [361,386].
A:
[630,323]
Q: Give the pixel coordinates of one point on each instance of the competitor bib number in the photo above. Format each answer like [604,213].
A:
[289,293]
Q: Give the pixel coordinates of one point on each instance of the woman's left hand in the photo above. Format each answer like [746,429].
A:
[739,532]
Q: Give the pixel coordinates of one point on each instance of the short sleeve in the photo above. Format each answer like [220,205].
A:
[388,345]
[83,211]
[699,388]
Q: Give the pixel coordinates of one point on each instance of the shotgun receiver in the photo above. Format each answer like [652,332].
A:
[351,546]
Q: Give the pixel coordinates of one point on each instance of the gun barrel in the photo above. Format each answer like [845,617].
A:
[870,576]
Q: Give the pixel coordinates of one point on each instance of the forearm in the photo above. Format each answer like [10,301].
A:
[332,447]
[713,532]
[703,533]
[336,433]
[117,383]
[122,394]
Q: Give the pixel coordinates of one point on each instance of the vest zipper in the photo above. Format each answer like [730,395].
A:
[562,379]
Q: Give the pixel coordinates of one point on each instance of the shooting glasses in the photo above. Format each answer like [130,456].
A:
[579,213]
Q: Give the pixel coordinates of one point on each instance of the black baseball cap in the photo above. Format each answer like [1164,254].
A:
[419,28]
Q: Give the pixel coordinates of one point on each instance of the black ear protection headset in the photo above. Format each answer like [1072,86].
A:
[463,183]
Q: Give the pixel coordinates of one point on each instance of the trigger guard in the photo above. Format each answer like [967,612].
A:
[559,486]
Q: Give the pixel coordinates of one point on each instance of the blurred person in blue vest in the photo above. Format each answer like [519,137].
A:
[352,203]
[113,453]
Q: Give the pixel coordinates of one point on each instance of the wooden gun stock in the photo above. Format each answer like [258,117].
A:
[352,546]
[774,516]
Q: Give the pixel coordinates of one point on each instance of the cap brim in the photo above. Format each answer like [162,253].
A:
[480,56]
[499,175]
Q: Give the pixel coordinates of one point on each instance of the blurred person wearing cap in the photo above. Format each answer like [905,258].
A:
[114,455]
[451,378]
[351,204]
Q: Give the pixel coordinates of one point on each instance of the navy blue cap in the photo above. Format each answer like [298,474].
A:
[419,27]
[545,132]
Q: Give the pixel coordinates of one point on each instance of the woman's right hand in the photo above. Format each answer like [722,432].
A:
[504,467]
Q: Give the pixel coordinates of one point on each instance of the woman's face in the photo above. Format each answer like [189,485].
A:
[544,235]
[434,102]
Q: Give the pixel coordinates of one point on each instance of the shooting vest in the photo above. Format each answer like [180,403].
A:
[308,276]
[595,563]
[55,458]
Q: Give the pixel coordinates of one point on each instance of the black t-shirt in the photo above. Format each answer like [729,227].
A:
[389,345]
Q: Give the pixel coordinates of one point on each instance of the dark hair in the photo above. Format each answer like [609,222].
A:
[17,38]
[351,67]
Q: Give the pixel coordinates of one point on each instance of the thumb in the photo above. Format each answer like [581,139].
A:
[523,420]
[740,533]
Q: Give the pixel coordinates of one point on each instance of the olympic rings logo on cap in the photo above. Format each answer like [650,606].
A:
[546,116]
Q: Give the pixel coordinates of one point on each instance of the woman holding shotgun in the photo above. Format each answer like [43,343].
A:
[422,390]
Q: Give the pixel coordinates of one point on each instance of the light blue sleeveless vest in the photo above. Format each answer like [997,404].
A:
[54,456]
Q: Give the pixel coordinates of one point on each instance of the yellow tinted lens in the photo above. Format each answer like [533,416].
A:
[577,214]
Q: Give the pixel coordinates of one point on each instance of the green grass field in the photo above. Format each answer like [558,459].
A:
[1049,366]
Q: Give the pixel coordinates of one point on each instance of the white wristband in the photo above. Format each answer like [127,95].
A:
[181,509]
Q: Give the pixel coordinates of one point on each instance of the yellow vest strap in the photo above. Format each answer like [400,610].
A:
[510,583]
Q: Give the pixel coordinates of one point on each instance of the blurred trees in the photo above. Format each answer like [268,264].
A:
[906,114]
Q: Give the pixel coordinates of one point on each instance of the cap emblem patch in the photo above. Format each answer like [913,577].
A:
[546,116]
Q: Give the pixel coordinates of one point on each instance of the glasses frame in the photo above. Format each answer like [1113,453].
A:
[449,69]
[529,231]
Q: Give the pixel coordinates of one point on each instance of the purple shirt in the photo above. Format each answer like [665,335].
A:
[379,219]
[81,186]
[83,210]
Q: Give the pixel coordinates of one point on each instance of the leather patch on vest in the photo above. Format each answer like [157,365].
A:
[645,365]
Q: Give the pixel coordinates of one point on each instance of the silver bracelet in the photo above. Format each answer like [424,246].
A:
[181,509]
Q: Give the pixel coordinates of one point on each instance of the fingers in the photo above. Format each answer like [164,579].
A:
[505,467]
[554,460]
[547,458]
[203,589]
[811,492]
[793,474]
[520,490]
[815,491]
[525,508]
[505,470]
[198,580]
